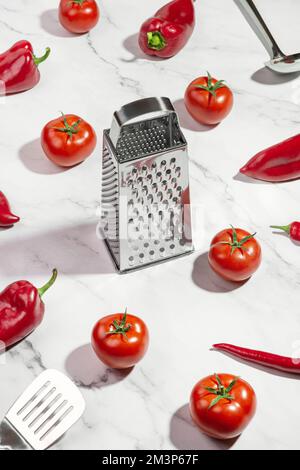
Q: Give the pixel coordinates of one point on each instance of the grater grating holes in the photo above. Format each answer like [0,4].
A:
[155,187]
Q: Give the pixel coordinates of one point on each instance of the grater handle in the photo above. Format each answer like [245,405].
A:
[138,108]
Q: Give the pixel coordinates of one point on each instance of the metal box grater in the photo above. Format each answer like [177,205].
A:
[145,186]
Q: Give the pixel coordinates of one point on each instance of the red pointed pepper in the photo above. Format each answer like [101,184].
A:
[280,162]
[293,230]
[282,363]
[168,31]
[7,219]
[19,68]
[21,310]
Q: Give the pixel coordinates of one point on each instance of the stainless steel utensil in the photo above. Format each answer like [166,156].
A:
[42,414]
[279,62]
[145,185]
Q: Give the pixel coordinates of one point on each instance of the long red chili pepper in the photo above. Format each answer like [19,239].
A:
[280,162]
[21,310]
[168,31]
[19,68]
[293,230]
[7,219]
[285,364]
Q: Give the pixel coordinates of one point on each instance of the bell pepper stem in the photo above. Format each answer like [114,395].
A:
[39,60]
[156,40]
[51,281]
[285,228]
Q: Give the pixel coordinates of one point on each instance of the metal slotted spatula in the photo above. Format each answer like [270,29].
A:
[42,414]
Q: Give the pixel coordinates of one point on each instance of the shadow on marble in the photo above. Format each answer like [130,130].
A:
[265,76]
[33,158]
[6,229]
[186,120]
[286,235]
[50,23]
[73,250]
[246,179]
[185,435]
[131,44]
[5,350]
[267,370]
[205,278]
[89,372]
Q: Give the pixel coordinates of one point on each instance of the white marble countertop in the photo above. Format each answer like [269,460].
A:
[186,307]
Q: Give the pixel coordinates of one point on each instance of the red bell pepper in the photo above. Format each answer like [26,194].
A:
[293,230]
[168,31]
[7,219]
[19,68]
[282,363]
[21,310]
[280,162]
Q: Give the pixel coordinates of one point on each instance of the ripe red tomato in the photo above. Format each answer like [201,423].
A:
[68,140]
[234,254]
[222,405]
[120,340]
[78,16]
[208,100]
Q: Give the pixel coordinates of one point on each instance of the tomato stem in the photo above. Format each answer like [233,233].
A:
[120,327]
[221,392]
[78,2]
[69,129]
[235,242]
[210,87]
